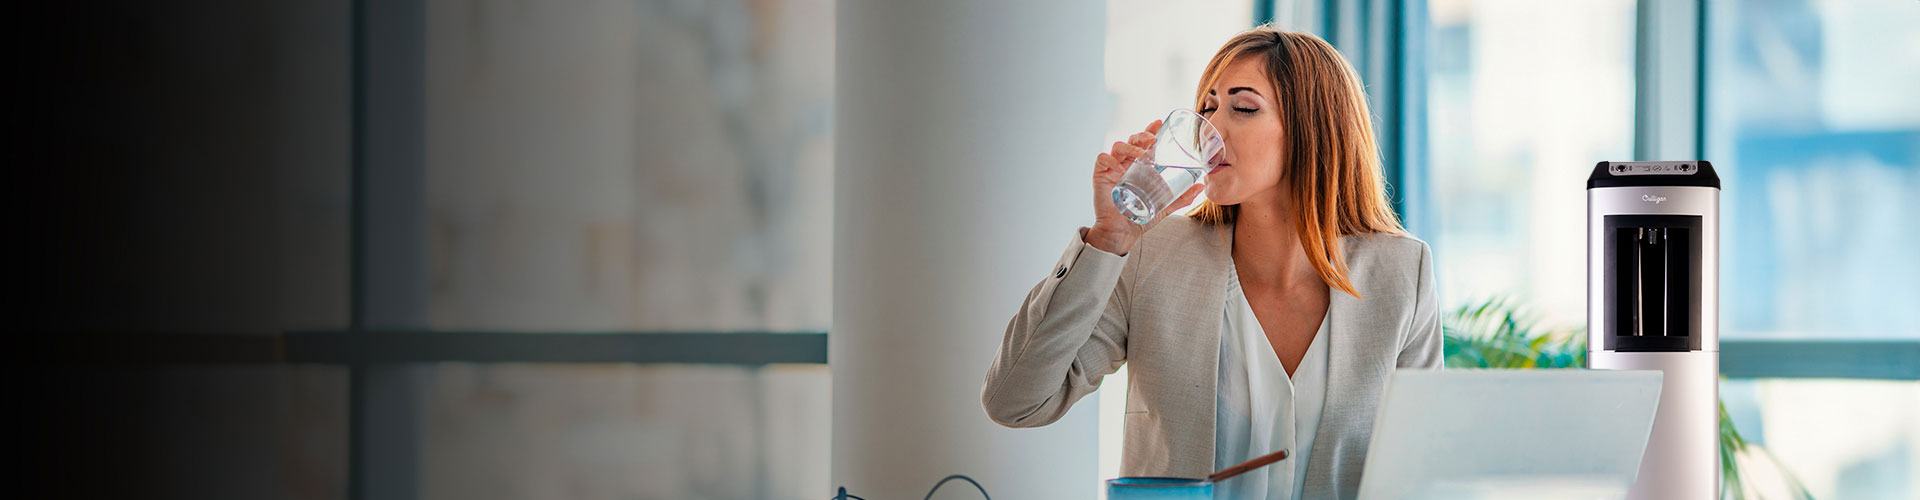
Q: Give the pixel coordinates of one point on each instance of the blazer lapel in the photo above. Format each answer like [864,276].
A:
[1207,311]
[1202,316]
[1357,342]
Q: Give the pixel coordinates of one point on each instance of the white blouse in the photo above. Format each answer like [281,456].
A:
[1260,409]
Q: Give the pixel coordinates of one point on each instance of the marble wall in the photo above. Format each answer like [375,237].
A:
[623,165]
[628,166]
[605,165]
[625,431]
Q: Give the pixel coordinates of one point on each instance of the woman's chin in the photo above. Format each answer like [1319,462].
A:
[1221,196]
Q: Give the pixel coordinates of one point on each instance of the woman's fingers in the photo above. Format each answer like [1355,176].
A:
[1126,152]
[1142,140]
[1108,169]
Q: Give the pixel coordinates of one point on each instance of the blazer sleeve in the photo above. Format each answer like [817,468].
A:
[1425,344]
[1070,332]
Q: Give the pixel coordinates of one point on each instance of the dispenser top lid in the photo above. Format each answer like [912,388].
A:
[1653,173]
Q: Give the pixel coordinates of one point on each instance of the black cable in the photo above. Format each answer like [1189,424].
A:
[936,487]
[976,485]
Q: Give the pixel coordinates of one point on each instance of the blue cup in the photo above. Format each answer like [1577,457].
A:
[1159,488]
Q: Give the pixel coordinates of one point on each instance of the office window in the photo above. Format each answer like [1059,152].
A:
[1523,98]
[1813,119]
[1853,439]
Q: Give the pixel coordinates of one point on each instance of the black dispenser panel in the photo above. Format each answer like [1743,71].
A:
[1653,282]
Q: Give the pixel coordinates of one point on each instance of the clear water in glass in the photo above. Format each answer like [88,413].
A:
[1186,147]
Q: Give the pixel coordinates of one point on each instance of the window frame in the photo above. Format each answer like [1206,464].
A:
[1385,39]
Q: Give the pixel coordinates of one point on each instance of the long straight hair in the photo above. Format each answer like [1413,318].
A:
[1331,171]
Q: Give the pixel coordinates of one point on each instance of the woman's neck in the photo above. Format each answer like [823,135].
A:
[1266,247]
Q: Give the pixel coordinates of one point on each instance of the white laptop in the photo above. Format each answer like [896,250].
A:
[1501,434]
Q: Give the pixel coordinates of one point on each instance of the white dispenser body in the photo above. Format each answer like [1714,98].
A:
[1653,304]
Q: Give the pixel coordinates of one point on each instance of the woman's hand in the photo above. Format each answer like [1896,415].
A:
[1111,230]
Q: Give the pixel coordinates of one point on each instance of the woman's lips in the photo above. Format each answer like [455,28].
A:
[1217,168]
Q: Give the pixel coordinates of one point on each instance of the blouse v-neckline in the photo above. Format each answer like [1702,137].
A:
[1236,291]
[1261,407]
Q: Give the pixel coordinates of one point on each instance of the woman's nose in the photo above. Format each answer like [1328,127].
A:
[1226,140]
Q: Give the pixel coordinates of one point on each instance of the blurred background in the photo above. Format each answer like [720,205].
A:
[512,249]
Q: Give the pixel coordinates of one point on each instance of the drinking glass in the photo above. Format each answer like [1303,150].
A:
[1186,147]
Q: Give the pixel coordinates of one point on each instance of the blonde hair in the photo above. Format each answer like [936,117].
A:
[1331,164]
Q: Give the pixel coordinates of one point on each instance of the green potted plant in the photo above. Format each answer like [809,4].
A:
[1498,333]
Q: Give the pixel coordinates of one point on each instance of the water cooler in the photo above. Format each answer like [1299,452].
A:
[1653,246]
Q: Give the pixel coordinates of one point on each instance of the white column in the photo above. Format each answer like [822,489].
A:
[966,132]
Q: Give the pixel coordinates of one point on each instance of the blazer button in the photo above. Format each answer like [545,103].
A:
[1061,273]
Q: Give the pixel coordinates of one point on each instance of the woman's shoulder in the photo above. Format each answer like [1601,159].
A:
[1386,243]
[1393,271]
[1390,250]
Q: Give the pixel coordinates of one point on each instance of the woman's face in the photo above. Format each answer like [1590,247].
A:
[1242,106]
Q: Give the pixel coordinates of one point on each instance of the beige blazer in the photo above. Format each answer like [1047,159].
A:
[1159,308]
